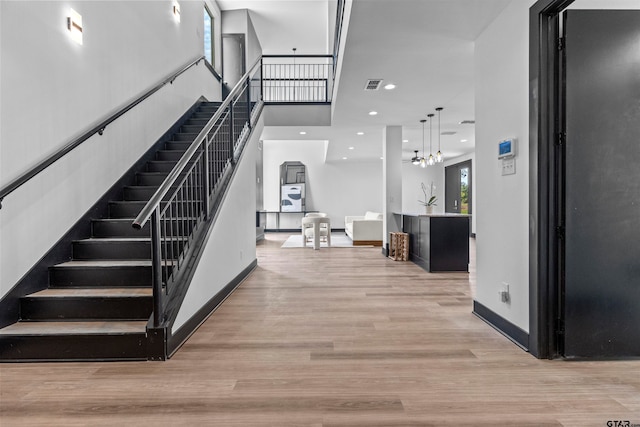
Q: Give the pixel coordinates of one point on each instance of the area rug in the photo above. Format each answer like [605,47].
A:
[337,241]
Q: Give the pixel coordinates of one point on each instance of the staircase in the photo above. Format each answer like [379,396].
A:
[97,305]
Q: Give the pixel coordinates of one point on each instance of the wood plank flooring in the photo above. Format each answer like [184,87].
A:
[328,338]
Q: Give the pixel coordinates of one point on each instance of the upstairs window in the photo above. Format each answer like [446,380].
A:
[208,35]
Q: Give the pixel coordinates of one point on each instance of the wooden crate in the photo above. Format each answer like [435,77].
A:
[399,246]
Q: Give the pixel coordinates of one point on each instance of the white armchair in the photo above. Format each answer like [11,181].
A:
[364,230]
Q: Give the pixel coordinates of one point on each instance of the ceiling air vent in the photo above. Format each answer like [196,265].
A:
[373,84]
[448,132]
[468,122]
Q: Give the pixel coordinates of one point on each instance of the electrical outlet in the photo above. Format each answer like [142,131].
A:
[505,297]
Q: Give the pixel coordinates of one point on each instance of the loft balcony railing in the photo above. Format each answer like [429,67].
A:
[297,78]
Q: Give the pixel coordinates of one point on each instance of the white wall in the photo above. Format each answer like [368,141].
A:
[339,188]
[412,178]
[231,246]
[53,89]
[502,109]
[502,105]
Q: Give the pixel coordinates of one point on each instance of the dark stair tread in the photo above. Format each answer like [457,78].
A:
[104,263]
[92,293]
[98,240]
[72,328]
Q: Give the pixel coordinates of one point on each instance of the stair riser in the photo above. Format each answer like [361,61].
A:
[129,209]
[144,193]
[193,121]
[118,229]
[177,145]
[156,179]
[125,210]
[121,250]
[74,347]
[123,276]
[200,115]
[173,155]
[192,128]
[161,166]
[188,137]
[86,308]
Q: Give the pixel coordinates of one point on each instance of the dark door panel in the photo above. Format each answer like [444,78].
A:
[602,184]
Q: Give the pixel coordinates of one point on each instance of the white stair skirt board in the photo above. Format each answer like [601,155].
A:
[337,241]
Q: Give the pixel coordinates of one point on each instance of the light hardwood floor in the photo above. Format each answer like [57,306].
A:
[335,337]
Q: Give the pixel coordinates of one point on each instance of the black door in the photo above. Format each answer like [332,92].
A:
[601,289]
[457,188]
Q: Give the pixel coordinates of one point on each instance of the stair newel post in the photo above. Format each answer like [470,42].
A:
[249,101]
[205,179]
[261,79]
[231,131]
[156,266]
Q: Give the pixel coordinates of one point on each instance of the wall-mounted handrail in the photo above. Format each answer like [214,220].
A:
[170,180]
[99,129]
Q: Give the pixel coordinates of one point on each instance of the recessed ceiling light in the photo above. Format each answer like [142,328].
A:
[381,158]
[360,133]
[352,148]
[303,133]
[344,158]
[405,140]
[373,113]
[390,86]
[463,140]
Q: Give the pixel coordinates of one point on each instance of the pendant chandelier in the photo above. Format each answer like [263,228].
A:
[415,159]
[439,156]
[422,162]
[431,161]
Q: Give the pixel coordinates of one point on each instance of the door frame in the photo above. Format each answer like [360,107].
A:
[545,113]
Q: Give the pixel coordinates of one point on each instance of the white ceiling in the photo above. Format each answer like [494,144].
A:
[425,47]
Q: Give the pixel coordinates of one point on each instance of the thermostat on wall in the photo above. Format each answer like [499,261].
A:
[507,148]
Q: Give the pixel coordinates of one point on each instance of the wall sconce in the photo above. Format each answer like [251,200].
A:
[74,25]
[176,11]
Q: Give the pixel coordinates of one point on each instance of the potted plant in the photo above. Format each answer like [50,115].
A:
[428,202]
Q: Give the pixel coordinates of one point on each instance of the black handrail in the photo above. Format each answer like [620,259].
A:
[99,129]
[338,32]
[169,181]
[200,174]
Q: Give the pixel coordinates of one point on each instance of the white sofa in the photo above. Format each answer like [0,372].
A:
[364,230]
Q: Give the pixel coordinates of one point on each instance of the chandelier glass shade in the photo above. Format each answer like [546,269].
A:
[439,156]
[431,161]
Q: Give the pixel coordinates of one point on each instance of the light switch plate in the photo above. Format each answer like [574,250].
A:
[509,166]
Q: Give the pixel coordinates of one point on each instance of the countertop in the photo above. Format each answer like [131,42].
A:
[439,215]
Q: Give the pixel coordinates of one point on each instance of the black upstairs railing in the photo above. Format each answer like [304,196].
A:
[187,198]
[96,129]
[297,78]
